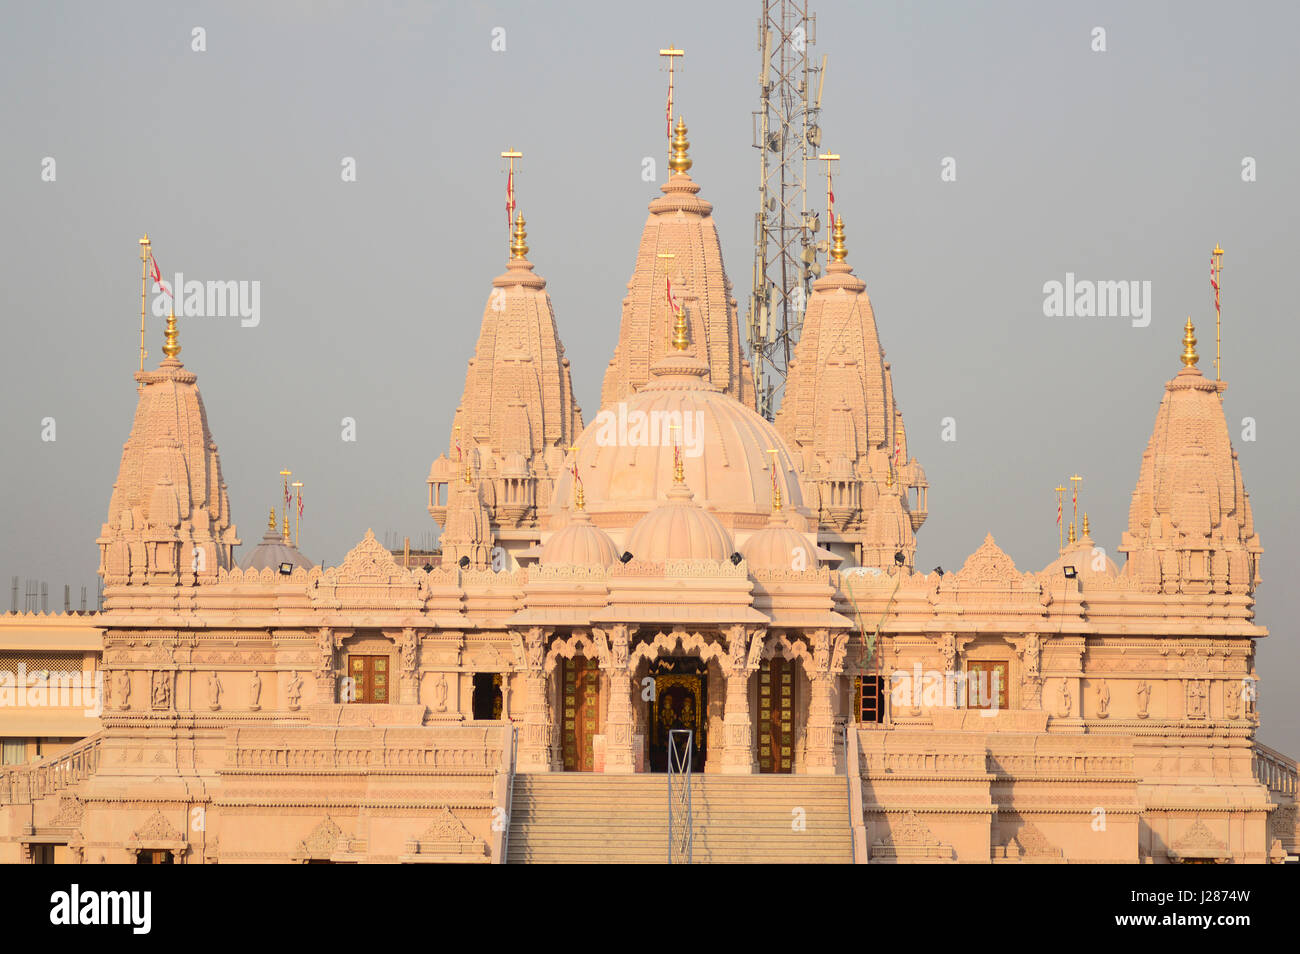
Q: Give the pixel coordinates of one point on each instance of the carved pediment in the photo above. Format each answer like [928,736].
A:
[447,839]
[1199,841]
[989,569]
[157,831]
[368,578]
[323,840]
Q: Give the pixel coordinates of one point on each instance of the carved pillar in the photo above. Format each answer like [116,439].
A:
[827,664]
[324,672]
[738,751]
[536,749]
[408,686]
[620,757]
[1031,684]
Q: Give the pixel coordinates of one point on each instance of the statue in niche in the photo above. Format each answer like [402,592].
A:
[255,691]
[1103,700]
[440,693]
[295,691]
[124,689]
[1144,698]
[162,690]
[1067,699]
[214,691]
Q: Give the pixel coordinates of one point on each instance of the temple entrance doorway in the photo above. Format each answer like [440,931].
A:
[776,716]
[581,687]
[680,702]
[486,700]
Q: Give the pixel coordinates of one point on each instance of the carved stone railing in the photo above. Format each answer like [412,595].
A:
[22,784]
[1275,771]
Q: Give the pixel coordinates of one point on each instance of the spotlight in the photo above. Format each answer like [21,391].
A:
[899,559]
[1070,572]
[627,555]
[286,569]
[735,559]
[464,562]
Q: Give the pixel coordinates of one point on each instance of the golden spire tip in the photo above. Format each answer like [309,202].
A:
[839,251]
[271,523]
[680,161]
[171,344]
[1190,357]
[518,247]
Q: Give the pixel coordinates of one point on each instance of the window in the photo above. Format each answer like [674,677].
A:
[14,752]
[153,856]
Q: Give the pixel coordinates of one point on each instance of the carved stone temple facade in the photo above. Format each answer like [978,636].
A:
[677,562]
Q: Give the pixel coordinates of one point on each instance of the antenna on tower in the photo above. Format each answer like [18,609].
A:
[785,248]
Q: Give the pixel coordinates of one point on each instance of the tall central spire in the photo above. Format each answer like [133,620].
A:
[679,268]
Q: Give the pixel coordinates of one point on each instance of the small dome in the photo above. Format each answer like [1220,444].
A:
[1089,561]
[273,551]
[679,529]
[776,547]
[580,543]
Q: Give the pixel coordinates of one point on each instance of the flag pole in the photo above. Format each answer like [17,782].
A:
[1075,481]
[828,158]
[144,299]
[297,519]
[668,299]
[1060,511]
[511,155]
[672,53]
[1217,269]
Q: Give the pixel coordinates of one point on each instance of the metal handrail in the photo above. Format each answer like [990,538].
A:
[510,792]
[679,766]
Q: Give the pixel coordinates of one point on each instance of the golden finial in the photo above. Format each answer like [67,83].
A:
[681,333]
[468,479]
[1190,357]
[1087,529]
[776,487]
[519,248]
[271,523]
[579,497]
[171,347]
[839,252]
[680,161]
[1071,538]
[679,475]
[286,525]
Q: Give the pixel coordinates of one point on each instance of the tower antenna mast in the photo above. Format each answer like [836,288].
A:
[785,129]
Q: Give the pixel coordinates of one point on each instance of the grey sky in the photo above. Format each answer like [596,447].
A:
[1117,165]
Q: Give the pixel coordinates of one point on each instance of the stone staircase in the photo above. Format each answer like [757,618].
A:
[749,819]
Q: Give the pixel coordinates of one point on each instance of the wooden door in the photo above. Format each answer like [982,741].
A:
[369,678]
[983,676]
[776,716]
[581,713]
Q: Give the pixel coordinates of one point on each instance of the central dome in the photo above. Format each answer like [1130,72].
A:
[626,457]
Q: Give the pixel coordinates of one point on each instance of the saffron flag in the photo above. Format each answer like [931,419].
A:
[300,504]
[1060,510]
[1214,279]
[672,302]
[510,197]
[157,276]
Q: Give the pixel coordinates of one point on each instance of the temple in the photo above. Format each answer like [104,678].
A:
[679,585]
